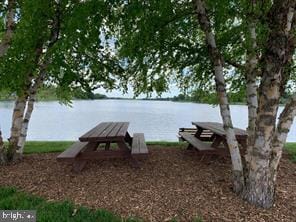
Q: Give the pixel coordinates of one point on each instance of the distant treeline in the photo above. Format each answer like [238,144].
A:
[197,96]
[49,94]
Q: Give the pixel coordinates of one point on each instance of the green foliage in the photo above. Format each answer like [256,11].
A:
[32,32]
[79,59]
[11,199]
[50,94]
[160,42]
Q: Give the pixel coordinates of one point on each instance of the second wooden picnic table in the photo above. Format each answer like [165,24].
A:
[96,145]
[212,132]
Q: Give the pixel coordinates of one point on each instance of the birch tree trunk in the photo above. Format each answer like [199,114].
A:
[28,113]
[285,122]
[17,120]
[2,151]
[251,74]
[260,185]
[24,106]
[4,45]
[6,39]
[216,58]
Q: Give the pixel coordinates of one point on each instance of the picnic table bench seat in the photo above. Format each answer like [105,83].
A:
[73,151]
[195,142]
[204,136]
[139,146]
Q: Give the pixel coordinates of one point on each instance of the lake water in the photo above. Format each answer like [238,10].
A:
[159,120]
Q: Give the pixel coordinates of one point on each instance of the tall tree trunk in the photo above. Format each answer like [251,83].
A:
[216,58]
[17,121]
[19,132]
[251,74]
[2,151]
[30,106]
[260,186]
[26,120]
[6,39]
[285,122]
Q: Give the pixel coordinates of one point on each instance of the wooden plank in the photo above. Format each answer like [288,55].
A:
[217,128]
[116,129]
[123,130]
[94,131]
[198,144]
[106,132]
[135,145]
[73,151]
[139,146]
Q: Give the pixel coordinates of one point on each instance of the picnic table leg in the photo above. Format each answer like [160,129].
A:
[197,135]
[122,145]
[134,161]
[128,139]
[216,142]
[107,147]
[78,164]
[198,132]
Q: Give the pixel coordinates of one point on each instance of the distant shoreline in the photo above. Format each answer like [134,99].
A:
[121,98]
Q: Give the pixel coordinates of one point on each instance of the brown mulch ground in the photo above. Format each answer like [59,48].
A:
[173,183]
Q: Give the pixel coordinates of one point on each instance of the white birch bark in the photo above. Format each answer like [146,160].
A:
[2,151]
[285,122]
[6,39]
[260,185]
[237,166]
[28,112]
[252,98]
[251,68]
[17,120]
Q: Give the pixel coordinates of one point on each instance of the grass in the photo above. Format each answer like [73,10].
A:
[291,149]
[46,146]
[11,199]
[59,146]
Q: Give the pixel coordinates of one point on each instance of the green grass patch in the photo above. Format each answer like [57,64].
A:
[291,149]
[11,199]
[46,146]
[59,146]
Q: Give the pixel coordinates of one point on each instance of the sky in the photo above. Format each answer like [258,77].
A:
[173,91]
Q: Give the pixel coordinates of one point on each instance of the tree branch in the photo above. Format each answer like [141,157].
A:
[10,24]
[234,64]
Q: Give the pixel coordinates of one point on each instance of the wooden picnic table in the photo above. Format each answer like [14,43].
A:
[213,133]
[96,145]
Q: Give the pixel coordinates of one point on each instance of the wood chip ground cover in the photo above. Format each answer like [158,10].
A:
[172,183]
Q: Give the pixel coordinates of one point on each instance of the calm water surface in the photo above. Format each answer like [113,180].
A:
[159,120]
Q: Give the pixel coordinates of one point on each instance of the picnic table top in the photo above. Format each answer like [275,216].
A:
[217,128]
[106,131]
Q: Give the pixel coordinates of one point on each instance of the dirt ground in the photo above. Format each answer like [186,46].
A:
[172,183]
